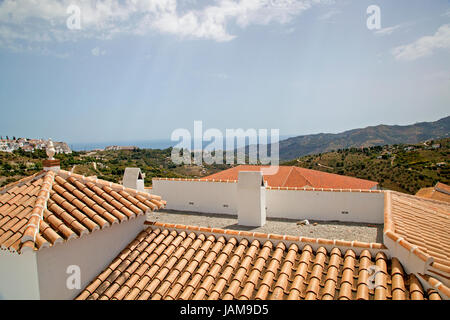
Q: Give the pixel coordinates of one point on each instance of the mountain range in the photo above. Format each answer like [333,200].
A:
[295,147]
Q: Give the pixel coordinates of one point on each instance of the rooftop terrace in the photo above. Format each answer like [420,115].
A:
[349,231]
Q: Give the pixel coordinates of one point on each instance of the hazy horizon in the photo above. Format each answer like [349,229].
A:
[166,143]
[79,145]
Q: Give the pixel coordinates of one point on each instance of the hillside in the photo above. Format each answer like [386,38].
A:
[400,167]
[107,165]
[371,136]
[405,168]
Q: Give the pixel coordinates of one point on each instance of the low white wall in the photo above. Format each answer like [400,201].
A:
[326,205]
[18,276]
[92,253]
[210,197]
[198,196]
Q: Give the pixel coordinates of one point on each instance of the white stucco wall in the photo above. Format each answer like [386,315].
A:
[326,205]
[198,196]
[410,262]
[92,253]
[18,276]
[210,197]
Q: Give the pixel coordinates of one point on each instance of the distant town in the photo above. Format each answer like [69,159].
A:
[30,145]
[8,144]
[118,148]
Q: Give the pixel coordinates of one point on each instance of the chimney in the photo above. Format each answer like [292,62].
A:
[133,178]
[51,163]
[251,199]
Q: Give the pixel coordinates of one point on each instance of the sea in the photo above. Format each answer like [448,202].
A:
[141,144]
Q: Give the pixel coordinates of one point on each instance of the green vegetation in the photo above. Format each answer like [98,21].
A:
[107,165]
[401,167]
[405,168]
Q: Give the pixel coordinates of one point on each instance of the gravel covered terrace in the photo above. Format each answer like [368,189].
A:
[316,229]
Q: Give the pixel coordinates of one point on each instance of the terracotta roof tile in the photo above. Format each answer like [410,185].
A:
[434,193]
[184,264]
[49,208]
[296,177]
[419,226]
[435,286]
[263,236]
[442,187]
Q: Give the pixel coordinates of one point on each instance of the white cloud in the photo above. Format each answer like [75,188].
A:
[330,14]
[31,21]
[424,46]
[98,52]
[387,30]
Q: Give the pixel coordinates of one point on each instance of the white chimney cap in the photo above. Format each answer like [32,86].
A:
[50,150]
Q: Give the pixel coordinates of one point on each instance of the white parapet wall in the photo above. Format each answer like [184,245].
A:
[198,196]
[221,197]
[367,207]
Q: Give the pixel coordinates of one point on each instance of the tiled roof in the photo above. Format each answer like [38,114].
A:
[354,245]
[420,226]
[435,284]
[439,192]
[423,223]
[48,208]
[176,263]
[442,187]
[290,176]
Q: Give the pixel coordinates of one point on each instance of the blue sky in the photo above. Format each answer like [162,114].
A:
[137,70]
